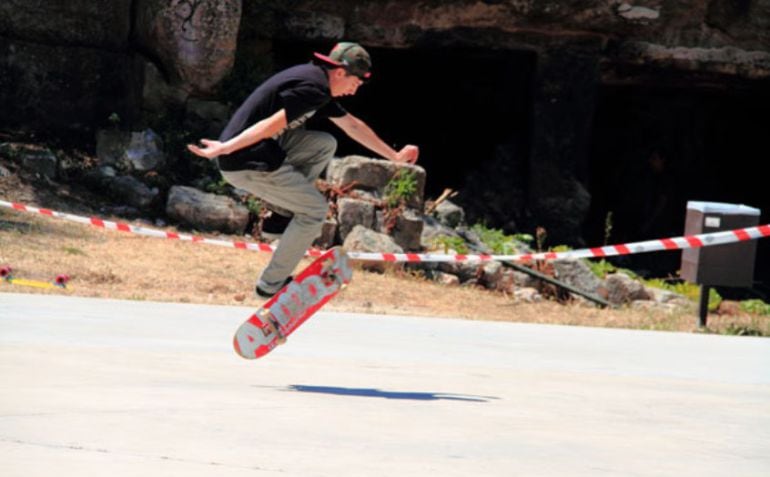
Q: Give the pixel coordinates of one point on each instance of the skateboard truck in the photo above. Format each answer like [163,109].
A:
[272,325]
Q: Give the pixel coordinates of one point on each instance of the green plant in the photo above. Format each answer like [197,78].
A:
[686,289]
[755,307]
[218,187]
[451,243]
[114,120]
[560,248]
[525,238]
[601,268]
[73,251]
[254,205]
[496,240]
[401,187]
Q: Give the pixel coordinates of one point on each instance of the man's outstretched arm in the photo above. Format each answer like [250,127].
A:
[364,135]
[263,129]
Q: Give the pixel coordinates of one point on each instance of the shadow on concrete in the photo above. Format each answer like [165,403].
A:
[376,393]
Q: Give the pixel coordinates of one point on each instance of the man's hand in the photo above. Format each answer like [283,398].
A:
[408,154]
[210,149]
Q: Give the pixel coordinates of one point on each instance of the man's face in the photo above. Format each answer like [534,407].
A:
[341,83]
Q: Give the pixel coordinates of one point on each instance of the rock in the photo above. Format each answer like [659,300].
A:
[407,232]
[446,279]
[663,296]
[491,275]
[432,231]
[158,93]
[145,151]
[4,172]
[362,239]
[60,88]
[40,161]
[132,191]
[209,116]
[528,295]
[130,151]
[465,270]
[578,274]
[622,289]
[637,14]
[354,212]
[375,174]
[194,41]
[328,236]
[204,211]
[311,25]
[449,214]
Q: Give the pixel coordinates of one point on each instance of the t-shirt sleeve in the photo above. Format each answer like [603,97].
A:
[301,99]
[332,109]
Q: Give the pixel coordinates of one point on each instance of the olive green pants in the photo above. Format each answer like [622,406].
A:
[292,187]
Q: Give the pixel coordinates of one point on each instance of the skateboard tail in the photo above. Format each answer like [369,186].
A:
[288,309]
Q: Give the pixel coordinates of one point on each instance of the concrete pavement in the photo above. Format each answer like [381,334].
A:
[102,387]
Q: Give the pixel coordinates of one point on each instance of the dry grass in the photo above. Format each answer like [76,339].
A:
[124,266]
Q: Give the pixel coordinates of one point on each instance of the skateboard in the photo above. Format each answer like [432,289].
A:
[284,312]
[6,275]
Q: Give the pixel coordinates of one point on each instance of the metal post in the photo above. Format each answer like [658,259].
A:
[703,308]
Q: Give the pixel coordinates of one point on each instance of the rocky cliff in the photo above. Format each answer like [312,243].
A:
[68,66]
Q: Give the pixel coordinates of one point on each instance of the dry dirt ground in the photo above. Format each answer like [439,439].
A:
[120,265]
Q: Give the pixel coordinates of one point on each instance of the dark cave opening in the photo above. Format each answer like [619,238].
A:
[655,149]
[457,104]
[652,148]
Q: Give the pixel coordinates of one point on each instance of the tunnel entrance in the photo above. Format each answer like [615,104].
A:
[656,148]
[458,104]
[652,148]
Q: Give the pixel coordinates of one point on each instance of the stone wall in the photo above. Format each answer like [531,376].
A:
[69,65]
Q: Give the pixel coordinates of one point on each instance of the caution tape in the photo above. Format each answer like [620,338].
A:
[674,243]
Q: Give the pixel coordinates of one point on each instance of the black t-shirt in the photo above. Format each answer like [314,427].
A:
[303,91]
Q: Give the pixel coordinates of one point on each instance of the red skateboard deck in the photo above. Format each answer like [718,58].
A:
[284,312]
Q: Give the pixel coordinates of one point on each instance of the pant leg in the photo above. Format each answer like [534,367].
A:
[309,151]
[292,187]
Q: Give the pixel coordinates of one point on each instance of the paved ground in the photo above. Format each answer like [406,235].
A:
[98,387]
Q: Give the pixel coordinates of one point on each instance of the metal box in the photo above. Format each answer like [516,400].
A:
[729,265]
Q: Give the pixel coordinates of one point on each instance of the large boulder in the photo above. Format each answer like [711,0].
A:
[140,151]
[194,41]
[62,88]
[352,213]
[374,175]
[204,211]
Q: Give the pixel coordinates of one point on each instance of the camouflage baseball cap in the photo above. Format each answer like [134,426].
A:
[350,56]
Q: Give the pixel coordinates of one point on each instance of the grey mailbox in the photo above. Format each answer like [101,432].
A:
[729,265]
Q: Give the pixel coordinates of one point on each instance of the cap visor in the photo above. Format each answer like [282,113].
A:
[327,60]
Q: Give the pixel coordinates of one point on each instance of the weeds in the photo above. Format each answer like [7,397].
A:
[451,243]
[401,188]
[755,307]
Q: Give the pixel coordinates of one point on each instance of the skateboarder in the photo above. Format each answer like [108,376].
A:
[266,150]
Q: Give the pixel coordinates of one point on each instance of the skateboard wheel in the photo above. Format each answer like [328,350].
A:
[5,272]
[62,280]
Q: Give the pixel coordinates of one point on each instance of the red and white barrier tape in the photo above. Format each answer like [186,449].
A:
[674,243]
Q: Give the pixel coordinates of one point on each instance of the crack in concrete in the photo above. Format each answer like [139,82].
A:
[165,458]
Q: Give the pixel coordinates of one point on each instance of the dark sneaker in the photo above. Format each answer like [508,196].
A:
[274,225]
[264,294]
